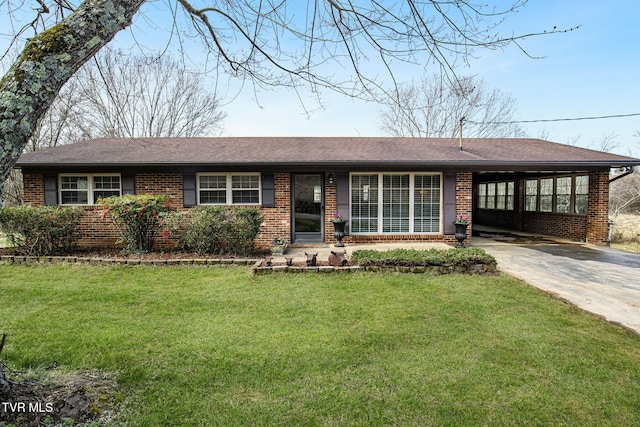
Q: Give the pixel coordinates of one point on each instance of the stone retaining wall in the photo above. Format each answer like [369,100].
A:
[257,267]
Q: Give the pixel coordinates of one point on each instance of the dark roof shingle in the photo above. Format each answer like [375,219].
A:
[274,151]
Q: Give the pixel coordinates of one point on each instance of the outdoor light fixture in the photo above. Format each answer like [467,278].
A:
[332,178]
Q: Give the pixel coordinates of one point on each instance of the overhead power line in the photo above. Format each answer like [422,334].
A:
[616,116]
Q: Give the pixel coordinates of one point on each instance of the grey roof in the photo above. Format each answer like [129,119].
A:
[477,153]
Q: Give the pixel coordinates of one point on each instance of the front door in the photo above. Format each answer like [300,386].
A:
[308,208]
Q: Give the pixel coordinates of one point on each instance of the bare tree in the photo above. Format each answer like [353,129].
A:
[122,95]
[607,142]
[133,95]
[270,43]
[435,107]
[624,196]
[13,189]
[59,125]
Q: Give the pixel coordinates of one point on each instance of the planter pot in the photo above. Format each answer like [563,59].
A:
[278,249]
[338,232]
[461,233]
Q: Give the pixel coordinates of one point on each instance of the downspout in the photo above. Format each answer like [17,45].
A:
[628,171]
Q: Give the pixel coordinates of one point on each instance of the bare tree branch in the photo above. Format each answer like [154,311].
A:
[435,107]
[330,44]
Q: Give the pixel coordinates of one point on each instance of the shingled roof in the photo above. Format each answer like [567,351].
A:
[477,153]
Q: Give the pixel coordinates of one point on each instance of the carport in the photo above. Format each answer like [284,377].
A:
[566,199]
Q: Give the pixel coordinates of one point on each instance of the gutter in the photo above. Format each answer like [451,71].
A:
[628,171]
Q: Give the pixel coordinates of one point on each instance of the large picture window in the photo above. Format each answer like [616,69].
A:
[87,189]
[228,189]
[562,194]
[395,203]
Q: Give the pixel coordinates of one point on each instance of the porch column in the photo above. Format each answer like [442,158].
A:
[598,208]
[464,199]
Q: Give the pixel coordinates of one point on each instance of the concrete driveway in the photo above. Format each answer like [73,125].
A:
[597,279]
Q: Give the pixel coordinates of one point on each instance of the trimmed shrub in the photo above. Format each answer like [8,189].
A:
[455,257]
[139,218]
[43,230]
[221,230]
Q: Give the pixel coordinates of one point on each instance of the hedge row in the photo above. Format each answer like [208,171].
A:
[140,220]
[462,258]
[41,231]
[220,230]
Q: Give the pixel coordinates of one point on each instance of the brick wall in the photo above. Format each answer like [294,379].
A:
[598,209]
[160,183]
[570,227]
[330,208]
[464,199]
[33,189]
[277,220]
[96,231]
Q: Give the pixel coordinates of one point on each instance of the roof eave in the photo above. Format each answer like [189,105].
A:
[475,165]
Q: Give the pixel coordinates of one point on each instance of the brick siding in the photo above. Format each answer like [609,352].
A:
[33,189]
[464,199]
[277,220]
[597,223]
[160,183]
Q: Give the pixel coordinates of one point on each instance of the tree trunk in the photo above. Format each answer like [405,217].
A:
[46,63]
[4,385]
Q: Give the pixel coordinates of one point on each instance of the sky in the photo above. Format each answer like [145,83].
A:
[590,71]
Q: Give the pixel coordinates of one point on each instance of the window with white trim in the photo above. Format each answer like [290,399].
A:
[87,189]
[364,203]
[396,203]
[229,189]
[426,204]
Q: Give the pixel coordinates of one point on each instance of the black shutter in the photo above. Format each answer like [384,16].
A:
[449,189]
[188,190]
[268,190]
[50,189]
[128,183]
[342,196]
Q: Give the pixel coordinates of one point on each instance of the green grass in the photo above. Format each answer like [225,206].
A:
[628,246]
[215,346]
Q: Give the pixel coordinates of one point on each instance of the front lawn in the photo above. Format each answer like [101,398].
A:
[214,346]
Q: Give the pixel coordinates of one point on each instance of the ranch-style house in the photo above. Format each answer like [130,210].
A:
[387,188]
